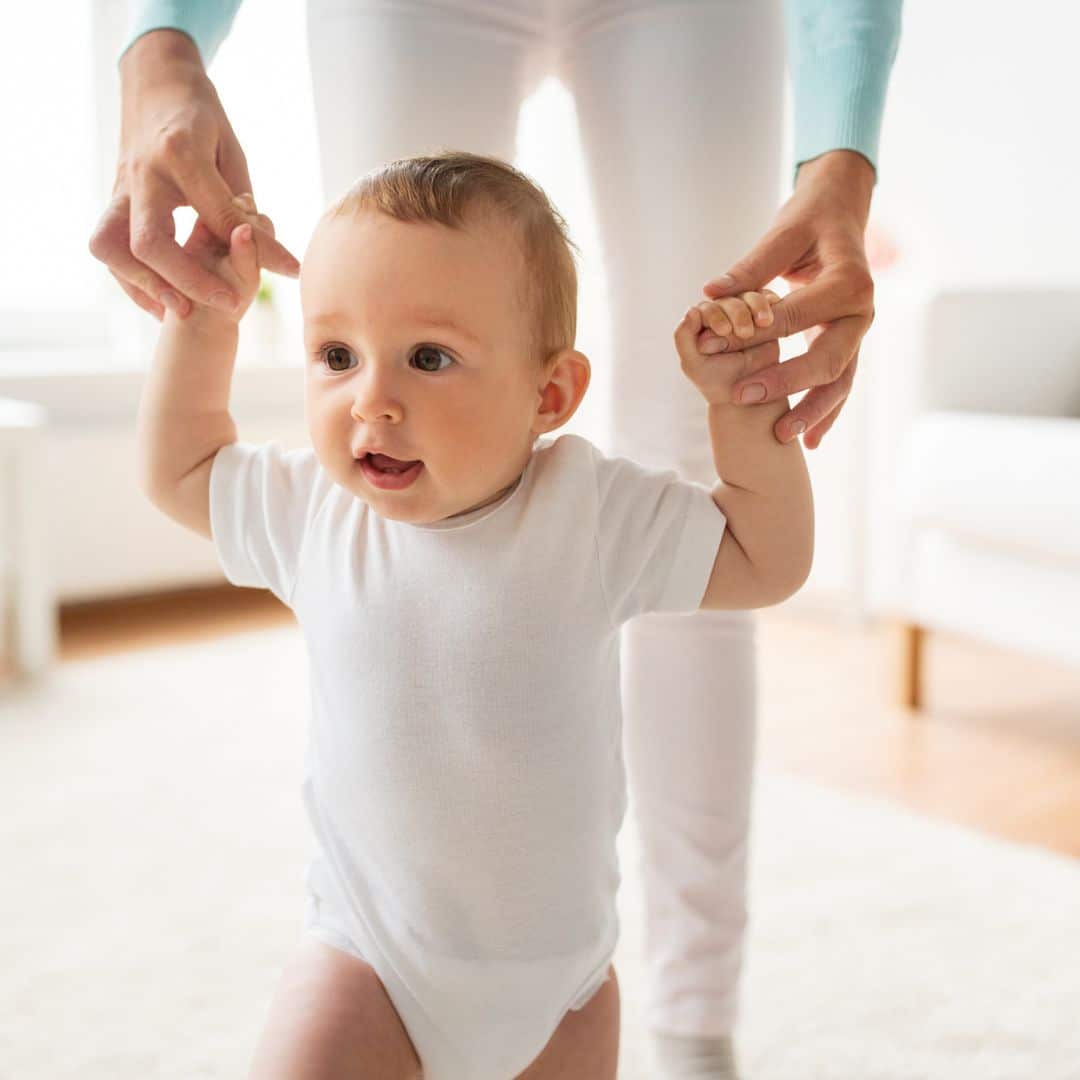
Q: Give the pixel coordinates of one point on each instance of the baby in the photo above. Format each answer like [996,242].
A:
[460,580]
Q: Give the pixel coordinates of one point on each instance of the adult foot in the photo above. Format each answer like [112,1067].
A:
[693,1057]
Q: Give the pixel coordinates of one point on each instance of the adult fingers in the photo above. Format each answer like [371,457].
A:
[778,250]
[271,253]
[817,410]
[140,298]
[824,362]
[842,290]
[153,243]
[812,439]
[110,243]
[845,289]
[246,201]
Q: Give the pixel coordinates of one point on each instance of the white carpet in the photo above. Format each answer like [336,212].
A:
[153,847]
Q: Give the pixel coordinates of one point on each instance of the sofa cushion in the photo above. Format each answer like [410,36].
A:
[1011,482]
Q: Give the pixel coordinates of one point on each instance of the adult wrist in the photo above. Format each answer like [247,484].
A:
[846,173]
[156,48]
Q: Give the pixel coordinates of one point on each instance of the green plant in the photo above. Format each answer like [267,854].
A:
[265,294]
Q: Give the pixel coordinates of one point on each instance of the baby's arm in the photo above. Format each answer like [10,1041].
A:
[764,491]
[184,417]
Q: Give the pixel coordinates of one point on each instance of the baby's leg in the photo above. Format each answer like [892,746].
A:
[585,1046]
[331,1019]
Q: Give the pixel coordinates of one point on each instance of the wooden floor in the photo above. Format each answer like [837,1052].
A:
[997,746]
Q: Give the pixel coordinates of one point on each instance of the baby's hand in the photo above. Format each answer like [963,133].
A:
[731,317]
[236,264]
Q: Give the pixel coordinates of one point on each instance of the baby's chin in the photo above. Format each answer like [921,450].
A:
[421,515]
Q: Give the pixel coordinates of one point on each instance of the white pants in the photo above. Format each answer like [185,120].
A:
[679,104]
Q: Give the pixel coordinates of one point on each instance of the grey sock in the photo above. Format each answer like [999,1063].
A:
[693,1057]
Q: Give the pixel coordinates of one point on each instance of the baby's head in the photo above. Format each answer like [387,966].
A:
[439,297]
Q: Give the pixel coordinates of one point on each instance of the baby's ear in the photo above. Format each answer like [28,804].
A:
[568,379]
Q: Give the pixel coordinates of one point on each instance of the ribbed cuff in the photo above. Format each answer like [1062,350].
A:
[207,24]
[839,104]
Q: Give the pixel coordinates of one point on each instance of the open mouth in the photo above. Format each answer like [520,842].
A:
[389,473]
[386,464]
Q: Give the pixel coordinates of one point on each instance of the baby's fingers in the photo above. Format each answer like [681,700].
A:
[760,304]
[686,337]
[730,316]
[243,256]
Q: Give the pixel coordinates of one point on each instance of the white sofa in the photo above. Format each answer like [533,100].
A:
[74,526]
[989,476]
[28,632]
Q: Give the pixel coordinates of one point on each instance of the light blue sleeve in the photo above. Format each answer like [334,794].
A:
[206,22]
[840,54]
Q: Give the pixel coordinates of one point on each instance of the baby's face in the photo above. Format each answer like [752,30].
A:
[416,345]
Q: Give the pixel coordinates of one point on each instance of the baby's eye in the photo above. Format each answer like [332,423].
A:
[430,350]
[328,353]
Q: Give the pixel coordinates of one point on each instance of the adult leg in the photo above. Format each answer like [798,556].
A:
[680,111]
[393,80]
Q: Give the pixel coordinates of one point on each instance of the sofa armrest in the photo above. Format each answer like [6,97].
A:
[995,350]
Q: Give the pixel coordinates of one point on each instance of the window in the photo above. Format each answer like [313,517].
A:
[48,197]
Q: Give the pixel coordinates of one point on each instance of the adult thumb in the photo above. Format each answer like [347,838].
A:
[769,258]
[272,254]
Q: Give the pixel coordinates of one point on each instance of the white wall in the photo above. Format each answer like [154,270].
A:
[47,200]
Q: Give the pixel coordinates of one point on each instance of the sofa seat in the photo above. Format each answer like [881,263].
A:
[992,508]
[1010,482]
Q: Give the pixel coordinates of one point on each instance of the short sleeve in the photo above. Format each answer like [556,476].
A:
[262,500]
[657,538]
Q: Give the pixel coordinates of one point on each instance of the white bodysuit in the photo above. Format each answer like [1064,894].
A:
[464,776]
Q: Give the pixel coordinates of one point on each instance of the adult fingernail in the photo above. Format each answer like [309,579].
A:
[798,428]
[223,302]
[754,392]
[714,345]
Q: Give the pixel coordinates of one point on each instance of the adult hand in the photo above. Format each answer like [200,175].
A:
[177,148]
[816,242]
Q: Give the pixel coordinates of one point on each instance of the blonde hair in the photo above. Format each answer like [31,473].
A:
[450,187]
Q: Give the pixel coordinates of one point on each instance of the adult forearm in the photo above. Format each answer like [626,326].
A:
[158,59]
[764,490]
[184,407]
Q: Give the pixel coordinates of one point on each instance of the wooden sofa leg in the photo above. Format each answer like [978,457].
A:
[909,681]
